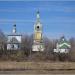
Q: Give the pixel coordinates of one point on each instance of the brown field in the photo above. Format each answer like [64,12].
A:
[37,65]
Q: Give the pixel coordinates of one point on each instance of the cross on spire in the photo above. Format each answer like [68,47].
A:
[38,15]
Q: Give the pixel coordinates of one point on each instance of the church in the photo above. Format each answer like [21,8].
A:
[62,46]
[14,40]
[37,37]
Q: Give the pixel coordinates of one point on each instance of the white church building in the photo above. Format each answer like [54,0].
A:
[14,40]
[62,46]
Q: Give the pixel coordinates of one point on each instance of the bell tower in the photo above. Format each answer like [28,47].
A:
[37,37]
[38,29]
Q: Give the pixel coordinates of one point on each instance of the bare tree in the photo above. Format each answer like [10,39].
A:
[48,52]
[27,44]
[72,51]
[3,41]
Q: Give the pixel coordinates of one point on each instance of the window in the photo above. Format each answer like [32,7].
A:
[12,46]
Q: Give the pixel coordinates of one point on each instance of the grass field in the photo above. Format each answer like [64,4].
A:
[37,65]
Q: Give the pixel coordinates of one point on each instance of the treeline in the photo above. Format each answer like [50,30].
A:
[26,54]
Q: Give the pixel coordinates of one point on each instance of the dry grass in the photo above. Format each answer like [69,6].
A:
[37,65]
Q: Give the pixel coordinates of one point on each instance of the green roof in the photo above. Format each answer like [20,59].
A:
[63,40]
[63,43]
[64,46]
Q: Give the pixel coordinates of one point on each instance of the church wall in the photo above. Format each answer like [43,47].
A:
[17,37]
[13,46]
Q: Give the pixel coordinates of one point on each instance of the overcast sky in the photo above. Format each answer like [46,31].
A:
[57,17]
